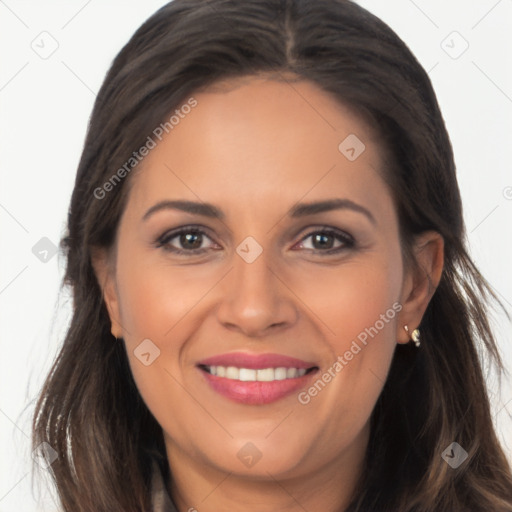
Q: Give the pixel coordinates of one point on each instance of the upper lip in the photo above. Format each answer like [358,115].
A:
[255,361]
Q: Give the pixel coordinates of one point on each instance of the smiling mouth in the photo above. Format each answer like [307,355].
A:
[256,378]
[256,375]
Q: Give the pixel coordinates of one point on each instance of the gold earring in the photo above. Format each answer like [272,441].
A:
[415,335]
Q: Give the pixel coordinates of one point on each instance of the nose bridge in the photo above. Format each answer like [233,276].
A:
[253,280]
[254,299]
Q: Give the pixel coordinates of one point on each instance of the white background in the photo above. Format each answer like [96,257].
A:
[44,109]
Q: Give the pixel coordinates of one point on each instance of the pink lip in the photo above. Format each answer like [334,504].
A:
[256,393]
[256,361]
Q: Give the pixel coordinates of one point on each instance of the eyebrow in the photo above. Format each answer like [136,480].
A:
[297,211]
[304,209]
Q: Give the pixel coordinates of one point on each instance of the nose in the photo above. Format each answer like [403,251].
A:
[256,300]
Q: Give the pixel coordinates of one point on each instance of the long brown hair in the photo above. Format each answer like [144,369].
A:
[90,410]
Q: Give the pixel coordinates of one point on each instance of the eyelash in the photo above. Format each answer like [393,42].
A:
[164,240]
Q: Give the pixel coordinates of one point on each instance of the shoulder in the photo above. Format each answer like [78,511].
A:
[161,501]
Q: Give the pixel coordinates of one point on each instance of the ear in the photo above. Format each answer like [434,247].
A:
[420,281]
[104,270]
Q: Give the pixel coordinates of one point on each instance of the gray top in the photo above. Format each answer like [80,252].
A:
[162,502]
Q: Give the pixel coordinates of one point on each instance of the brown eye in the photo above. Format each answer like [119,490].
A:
[191,240]
[186,240]
[324,241]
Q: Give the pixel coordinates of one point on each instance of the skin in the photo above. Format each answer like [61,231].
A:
[254,148]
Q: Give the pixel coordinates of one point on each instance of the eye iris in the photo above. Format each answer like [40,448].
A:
[322,238]
[187,240]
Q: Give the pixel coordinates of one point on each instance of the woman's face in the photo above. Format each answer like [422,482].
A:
[261,280]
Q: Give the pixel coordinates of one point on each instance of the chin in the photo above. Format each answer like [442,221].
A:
[260,459]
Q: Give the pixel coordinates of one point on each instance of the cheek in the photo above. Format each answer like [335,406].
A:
[154,298]
[358,305]
[157,302]
[365,309]
[154,302]
[354,299]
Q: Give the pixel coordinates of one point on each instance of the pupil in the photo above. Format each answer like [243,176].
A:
[321,238]
[189,238]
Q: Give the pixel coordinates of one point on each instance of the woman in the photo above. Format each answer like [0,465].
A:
[266,249]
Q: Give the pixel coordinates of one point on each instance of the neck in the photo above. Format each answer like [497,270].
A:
[199,486]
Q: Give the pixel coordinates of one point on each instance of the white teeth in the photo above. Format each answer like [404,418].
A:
[291,373]
[252,375]
[265,375]
[280,373]
[232,373]
[247,374]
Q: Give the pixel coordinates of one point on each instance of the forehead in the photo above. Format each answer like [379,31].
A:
[255,137]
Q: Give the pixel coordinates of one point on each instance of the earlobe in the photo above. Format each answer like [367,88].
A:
[421,282]
[105,276]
